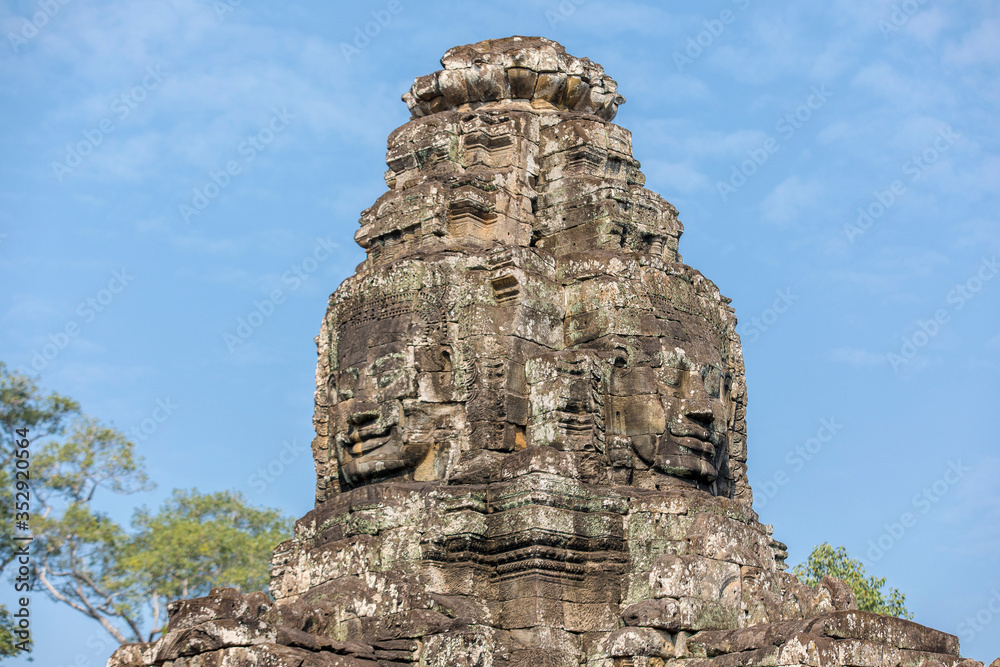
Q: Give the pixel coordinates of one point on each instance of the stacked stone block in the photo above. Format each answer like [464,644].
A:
[530,423]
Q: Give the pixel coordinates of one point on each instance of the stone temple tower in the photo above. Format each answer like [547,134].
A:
[530,422]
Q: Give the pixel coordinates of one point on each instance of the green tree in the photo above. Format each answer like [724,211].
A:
[22,405]
[835,562]
[78,550]
[196,542]
[192,544]
[7,640]
[121,578]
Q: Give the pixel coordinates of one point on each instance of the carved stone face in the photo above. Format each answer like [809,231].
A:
[694,390]
[668,395]
[641,394]
[390,399]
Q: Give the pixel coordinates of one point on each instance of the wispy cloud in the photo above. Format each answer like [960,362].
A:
[857,357]
[791,200]
[976,47]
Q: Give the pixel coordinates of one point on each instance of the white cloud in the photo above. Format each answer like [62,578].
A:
[864,13]
[856,356]
[977,499]
[223,79]
[33,309]
[981,234]
[839,132]
[86,374]
[682,141]
[790,201]
[900,90]
[670,177]
[627,17]
[271,241]
[838,57]
[650,82]
[928,24]
[977,47]
[892,272]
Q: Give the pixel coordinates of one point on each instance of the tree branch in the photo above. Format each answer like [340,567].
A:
[156,616]
[119,637]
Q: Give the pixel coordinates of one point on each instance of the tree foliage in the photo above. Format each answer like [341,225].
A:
[826,560]
[122,578]
[7,639]
[78,562]
[22,405]
[91,458]
[196,542]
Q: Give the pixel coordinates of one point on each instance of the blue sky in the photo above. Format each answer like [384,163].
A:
[171,169]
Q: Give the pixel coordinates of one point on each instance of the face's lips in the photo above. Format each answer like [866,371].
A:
[698,439]
[363,446]
[691,430]
[361,441]
[697,446]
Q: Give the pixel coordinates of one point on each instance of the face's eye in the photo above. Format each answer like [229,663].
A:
[347,384]
[712,377]
[386,370]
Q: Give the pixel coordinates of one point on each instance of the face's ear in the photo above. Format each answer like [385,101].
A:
[433,358]
[434,377]
[340,384]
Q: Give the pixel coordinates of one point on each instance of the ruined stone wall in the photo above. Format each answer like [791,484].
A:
[531,423]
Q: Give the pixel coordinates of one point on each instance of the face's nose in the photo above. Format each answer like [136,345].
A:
[699,413]
[362,415]
[695,403]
